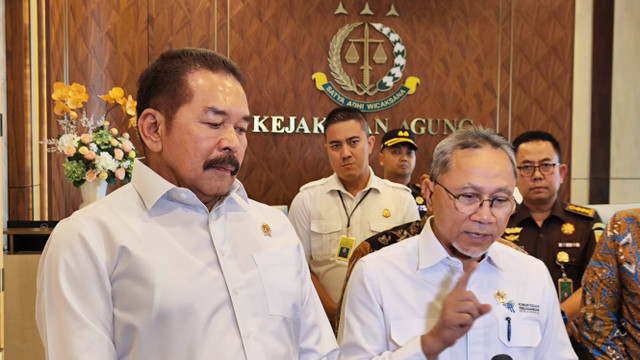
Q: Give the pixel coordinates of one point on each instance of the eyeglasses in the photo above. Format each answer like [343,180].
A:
[469,203]
[545,169]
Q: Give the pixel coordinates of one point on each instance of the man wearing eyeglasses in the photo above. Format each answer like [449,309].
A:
[453,291]
[562,235]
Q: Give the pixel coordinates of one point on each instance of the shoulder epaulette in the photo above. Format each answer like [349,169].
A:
[395,185]
[314,183]
[581,210]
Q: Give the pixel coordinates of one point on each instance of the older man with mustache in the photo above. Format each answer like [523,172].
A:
[181,264]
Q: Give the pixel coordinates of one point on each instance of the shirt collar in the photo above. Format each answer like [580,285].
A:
[152,187]
[431,251]
[522,212]
[334,183]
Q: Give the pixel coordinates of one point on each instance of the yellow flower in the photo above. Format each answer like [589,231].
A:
[114,95]
[129,105]
[77,95]
[114,131]
[114,142]
[132,154]
[83,150]
[103,175]
[60,91]
[61,108]
[133,122]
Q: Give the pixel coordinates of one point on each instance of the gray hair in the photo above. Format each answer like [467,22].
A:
[472,137]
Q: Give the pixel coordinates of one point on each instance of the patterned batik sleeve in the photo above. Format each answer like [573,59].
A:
[601,286]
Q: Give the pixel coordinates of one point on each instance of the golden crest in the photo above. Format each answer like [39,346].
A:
[512,238]
[513,230]
[501,296]
[386,213]
[266,229]
[568,229]
[562,257]
[419,200]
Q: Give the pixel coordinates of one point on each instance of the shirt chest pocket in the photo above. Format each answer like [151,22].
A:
[401,331]
[520,333]
[325,237]
[280,275]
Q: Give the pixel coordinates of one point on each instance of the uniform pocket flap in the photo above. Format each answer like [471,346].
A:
[325,227]
[521,333]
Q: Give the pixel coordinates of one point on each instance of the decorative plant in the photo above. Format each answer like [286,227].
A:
[99,152]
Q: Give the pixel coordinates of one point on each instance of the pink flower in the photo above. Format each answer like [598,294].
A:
[118,154]
[126,146]
[90,155]
[69,150]
[90,175]
[120,173]
[86,138]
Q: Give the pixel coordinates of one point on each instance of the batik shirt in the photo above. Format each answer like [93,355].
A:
[610,319]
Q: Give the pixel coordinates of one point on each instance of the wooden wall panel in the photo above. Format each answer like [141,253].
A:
[452,47]
[505,64]
[18,110]
[184,23]
[107,48]
[543,72]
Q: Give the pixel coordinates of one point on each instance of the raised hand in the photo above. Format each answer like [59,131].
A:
[459,310]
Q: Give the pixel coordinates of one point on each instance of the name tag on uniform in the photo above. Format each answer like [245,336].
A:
[569,245]
[345,248]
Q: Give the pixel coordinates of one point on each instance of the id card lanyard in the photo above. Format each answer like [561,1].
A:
[352,210]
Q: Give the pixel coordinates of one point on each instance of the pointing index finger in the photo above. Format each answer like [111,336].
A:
[462,283]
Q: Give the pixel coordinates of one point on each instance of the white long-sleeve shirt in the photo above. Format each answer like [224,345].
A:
[149,273]
[395,295]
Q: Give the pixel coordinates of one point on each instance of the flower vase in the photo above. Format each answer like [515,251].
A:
[92,191]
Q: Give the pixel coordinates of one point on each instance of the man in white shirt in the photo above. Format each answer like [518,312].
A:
[453,291]
[181,264]
[335,214]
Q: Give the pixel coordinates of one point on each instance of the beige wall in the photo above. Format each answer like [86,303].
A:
[581,114]
[625,104]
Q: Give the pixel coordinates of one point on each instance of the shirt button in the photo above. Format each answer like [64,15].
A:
[247,334]
[182,196]
[236,291]
[223,252]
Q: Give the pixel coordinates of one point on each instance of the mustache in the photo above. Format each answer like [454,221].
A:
[228,159]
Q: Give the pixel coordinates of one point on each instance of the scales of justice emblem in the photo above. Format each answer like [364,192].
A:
[367,86]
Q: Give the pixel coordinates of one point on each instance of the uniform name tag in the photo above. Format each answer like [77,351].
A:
[345,248]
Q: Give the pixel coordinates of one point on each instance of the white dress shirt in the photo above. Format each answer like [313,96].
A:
[320,220]
[149,273]
[395,295]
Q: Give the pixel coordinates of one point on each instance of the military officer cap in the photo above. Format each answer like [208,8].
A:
[399,136]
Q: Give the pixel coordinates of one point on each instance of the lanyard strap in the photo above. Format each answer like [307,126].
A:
[354,208]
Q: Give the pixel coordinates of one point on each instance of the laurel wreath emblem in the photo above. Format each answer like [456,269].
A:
[347,83]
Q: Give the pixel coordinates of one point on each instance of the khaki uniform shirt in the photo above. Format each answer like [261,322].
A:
[569,228]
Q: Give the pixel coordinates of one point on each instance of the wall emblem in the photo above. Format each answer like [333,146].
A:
[367,51]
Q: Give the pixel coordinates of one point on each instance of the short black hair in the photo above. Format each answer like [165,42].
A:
[163,86]
[346,113]
[537,135]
